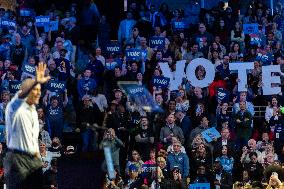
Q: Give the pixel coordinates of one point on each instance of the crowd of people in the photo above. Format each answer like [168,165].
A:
[153,149]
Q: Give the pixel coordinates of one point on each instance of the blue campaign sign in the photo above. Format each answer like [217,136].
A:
[199,186]
[161,82]
[255,39]
[53,26]
[210,134]
[180,25]
[9,24]
[56,86]
[14,86]
[140,96]
[266,59]
[157,42]
[41,21]
[148,169]
[30,69]
[133,54]
[250,28]
[222,95]
[113,48]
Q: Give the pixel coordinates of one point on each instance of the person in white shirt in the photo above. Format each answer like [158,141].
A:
[22,164]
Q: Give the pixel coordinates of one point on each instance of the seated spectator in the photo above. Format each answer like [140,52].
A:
[56,147]
[226,160]
[175,180]
[220,178]
[50,176]
[262,145]
[268,156]
[116,183]
[134,180]
[46,156]
[136,161]
[245,158]
[254,168]
[44,135]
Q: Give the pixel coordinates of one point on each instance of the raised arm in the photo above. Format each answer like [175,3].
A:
[40,78]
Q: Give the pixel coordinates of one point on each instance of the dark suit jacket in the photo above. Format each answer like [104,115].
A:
[186,126]
[218,147]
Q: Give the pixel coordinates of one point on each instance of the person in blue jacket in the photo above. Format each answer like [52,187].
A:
[179,160]
[86,85]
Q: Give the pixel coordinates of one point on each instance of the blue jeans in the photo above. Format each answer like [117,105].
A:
[89,140]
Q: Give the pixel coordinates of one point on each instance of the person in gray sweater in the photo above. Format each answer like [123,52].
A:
[170,130]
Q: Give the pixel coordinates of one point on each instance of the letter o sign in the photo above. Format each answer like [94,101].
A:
[209,69]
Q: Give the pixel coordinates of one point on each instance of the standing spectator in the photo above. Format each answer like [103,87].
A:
[178,159]
[243,121]
[184,123]
[55,117]
[269,109]
[134,160]
[224,141]
[27,39]
[111,140]
[87,119]
[125,28]
[18,52]
[144,138]
[86,85]
[170,130]
[96,66]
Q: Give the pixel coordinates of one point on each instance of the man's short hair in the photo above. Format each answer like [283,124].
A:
[27,83]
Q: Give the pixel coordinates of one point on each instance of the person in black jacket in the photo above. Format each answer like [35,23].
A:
[220,178]
[87,118]
[49,176]
[254,168]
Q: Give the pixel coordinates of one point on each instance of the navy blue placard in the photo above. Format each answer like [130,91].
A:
[113,48]
[41,21]
[199,186]
[133,54]
[56,86]
[29,69]
[52,26]
[140,96]
[9,24]
[157,42]
[250,28]
[14,86]
[222,95]
[161,82]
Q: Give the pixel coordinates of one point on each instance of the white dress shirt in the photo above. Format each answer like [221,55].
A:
[22,126]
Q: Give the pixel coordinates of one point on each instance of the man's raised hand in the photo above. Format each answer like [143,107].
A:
[40,73]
